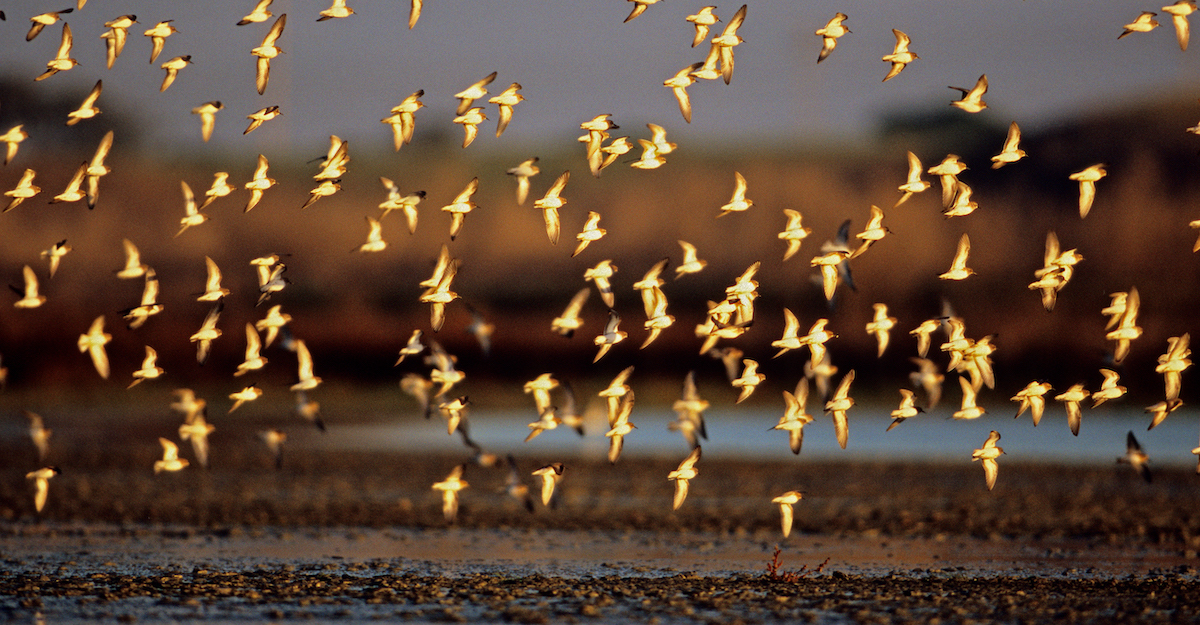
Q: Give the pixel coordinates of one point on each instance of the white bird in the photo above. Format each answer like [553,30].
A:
[41,482]
[795,417]
[212,285]
[972,99]
[450,488]
[307,381]
[690,263]
[93,343]
[1144,23]
[170,458]
[208,117]
[259,183]
[1087,179]
[1179,18]
[958,267]
[506,100]
[191,213]
[12,140]
[738,201]
[196,431]
[837,407]
[336,10]
[829,35]
[549,205]
[62,60]
[267,51]
[158,37]
[375,242]
[254,359]
[1136,457]
[150,369]
[550,475]
[987,456]
[682,475]
[260,13]
[30,298]
[703,21]
[900,56]
[786,514]
[523,172]
[477,90]
[1010,153]
[172,67]
[88,109]
[207,333]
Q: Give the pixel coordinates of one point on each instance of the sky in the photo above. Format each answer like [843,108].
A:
[576,59]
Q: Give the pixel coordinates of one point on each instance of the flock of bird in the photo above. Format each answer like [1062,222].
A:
[727,318]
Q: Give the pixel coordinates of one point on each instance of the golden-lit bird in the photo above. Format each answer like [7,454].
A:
[880,326]
[987,456]
[271,323]
[212,284]
[591,232]
[786,513]
[958,267]
[900,56]
[402,121]
[723,45]
[620,425]
[207,333]
[1109,389]
[93,343]
[172,67]
[54,254]
[158,37]
[506,100]
[550,475]
[470,120]
[829,35]
[569,321]
[1032,398]
[74,191]
[12,141]
[690,263]
[549,205]
[414,13]
[599,275]
[872,233]
[907,409]
[30,298]
[829,264]
[375,242]
[1087,179]
[274,440]
[460,206]
[39,434]
[795,416]
[265,114]
[196,431]
[116,36]
[405,203]
[703,21]
[682,475]
[150,369]
[913,184]
[477,90]
[837,407]
[38,22]
[522,173]
[254,359]
[149,304]
[1010,153]
[1144,23]
[306,381]
[249,393]
[1162,410]
[794,232]
[791,334]
[62,60]
[208,117]
[1071,400]
[1127,329]
[450,488]
[1136,457]
[192,215]
[259,183]
[678,85]
[639,7]
[611,335]
[336,10]
[1179,13]
[41,482]
[170,459]
[24,190]
[738,201]
[88,109]
[266,51]
[260,13]
[972,99]
[220,188]
[1173,363]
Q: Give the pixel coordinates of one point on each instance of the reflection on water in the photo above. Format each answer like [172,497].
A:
[742,434]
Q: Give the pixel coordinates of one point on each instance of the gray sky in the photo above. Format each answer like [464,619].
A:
[576,59]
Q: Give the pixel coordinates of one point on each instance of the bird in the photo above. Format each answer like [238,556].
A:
[1109,389]
[271,323]
[38,22]
[88,109]
[793,233]
[906,410]
[678,85]
[148,305]
[540,388]
[192,215]
[929,378]
[265,114]
[62,60]
[460,206]
[208,117]
[336,10]
[1144,23]
[791,334]
[506,100]
[207,333]
[197,431]
[880,326]
[1163,409]
[900,56]
[522,173]
[958,267]
[829,264]
[837,407]
[620,424]
[872,233]
[1087,178]
[402,121]
[450,486]
[12,140]
[567,323]
[470,120]
[258,183]
[172,67]
[591,232]
[1032,398]
[306,380]
[93,343]
[74,191]
[150,369]
[41,482]
[550,475]
[651,157]
[1136,457]
[24,190]
[187,404]
[248,393]
[795,416]
[254,359]
[599,275]
[987,456]
[690,263]
[703,20]
[722,45]
[639,7]
[749,380]
[947,172]
[786,513]
[611,335]
[55,253]
[270,277]
[829,35]
[158,37]
[972,99]
[1010,153]
[1179,18]
[1127,329]
[455,413]
[549,205]
[267,51]
[260,13]
[170,459]
[274,439]
[1173,363]
[738,202]
[1071,399]
[39,434]
[375,242]
[414,13]
[1116,308]
[212,285]
[690,409]
[682,476]
[219,189]
[406,203]
[30,298]
[969,409]
[913,184]
[477,90]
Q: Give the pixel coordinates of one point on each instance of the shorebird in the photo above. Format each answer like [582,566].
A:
[651,158]
[170,458]
[791,334]
[258,183]
[690,263]
[703,20]
[723,46]
[599,275]
[406,203]
[472,93]
[30,298]
[41,482]
[681,476]
[1109,388]
[947,172]
[39,434]
[88,109]
[1087,186]
[837,407]
[987,456]
[414,13]
[267,51]
[829,35]
[880,326]
[93,343]
[958,268]
[219,189]
[738,202]
[540,388]
[969,409]
[260,13]
[929,378]
[961,204]
[271,323]
[304,364]
[158,37]
[1179,18]
[38,22]
[12,140]
[522,173]
[212,284]
[470,120]
[794,232]
[254,359]
[116,36]
[1127,329]
[639,7]
[309,410]
[1173,363]
[567,323]
[207,333]
[1135,457]
[274,440]
[611,335]
[401,120]
[1010,153]
[972,99]
[906,410]
[375,242]
[1071,400]
[506,100]
[550,203]
[74,191]
[460,206]
[187,404]
[450,487]
[1032,398]
[795,417]
[265,114]
[1162,409]
[830,264]
[454,412]
[786,514]
[62,60]
[678,85]
[208,117]
[249,393]
[336,10]
[900,56]
[150,369]
[620,426]
[874,231]
[689,410]
[24,190]
[591,232]
[913,184]
[196,431]
[615,392]
[550,475]
[749,380]
[192,215]
[1144,23]
[172,67]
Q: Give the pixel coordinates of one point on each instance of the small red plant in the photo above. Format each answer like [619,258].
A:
[775,565]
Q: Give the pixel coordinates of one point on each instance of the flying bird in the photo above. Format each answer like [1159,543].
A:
[682,476]
[62,60]
[1087,179]
[987,456]
[1136,457]
[829,35]
[88,109]
[93,343]
[267,51]
[972,99]
[837,407]
[786,514]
